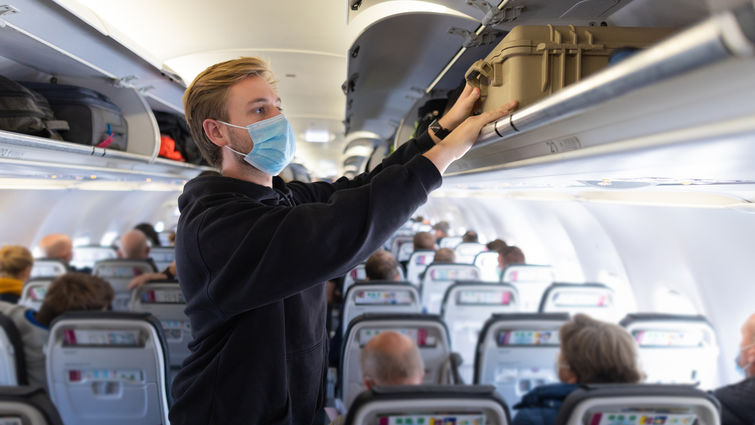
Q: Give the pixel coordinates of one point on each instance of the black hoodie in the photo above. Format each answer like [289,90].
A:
[252,261]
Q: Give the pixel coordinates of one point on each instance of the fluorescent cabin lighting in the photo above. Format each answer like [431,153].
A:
[317,136]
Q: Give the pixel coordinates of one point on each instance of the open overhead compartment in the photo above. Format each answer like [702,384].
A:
[43,42]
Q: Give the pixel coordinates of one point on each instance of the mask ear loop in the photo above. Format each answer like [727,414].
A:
[230,148]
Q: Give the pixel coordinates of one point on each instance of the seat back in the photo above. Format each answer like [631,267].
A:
[380,297]
[358,274]
[516,352]
[398,246]
[165,301]
[162,256]
[417,264]
[108,367]
[450,242]
[467,251]
[466,308]
[33,292]
[48,267]
[675,349]
[429,405]
[428,331]
[594,299]
[86,256]
[27,406]
[487,262]
[531,281]
[438,277]
[119,273]
[639,404]
[12,358]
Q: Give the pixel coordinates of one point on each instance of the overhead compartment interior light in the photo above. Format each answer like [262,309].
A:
[317,136]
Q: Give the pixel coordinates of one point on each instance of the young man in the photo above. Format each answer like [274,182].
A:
[253,252]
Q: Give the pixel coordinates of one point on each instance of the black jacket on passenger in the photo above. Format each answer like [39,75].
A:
[737,402]
[252,261]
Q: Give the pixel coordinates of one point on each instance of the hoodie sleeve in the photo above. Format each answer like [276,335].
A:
[321,191]
[256,254]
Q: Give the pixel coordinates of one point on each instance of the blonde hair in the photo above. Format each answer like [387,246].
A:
[14,260]
[599,352]
[206,98]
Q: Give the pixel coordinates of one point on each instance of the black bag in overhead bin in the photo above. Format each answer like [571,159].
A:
[175,126]
[93,119]
[25,111]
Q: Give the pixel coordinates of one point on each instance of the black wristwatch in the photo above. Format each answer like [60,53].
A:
[438,129]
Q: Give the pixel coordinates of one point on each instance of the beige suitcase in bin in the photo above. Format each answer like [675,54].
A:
[532,62]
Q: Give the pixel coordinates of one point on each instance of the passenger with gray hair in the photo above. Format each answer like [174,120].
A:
[391,358]
[738,400]
[592,352]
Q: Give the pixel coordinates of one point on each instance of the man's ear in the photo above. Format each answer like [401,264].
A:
[213,132]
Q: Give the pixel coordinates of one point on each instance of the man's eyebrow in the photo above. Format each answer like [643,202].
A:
[263,100]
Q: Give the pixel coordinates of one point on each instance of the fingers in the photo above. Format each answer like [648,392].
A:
[499,112]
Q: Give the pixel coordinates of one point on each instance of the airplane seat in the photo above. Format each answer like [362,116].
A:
[48,267]
[639,404]
[516,352]
[12,358]
[165,301]
[429,404]
[119,272]
[428,331]
[358,274]
[86,256]
[450,242]
[531,281]
[417,264]
[401,244]
[466,307]
[438,277]
[467,251]
[162,256]
[487,262]
[380,297]
[675,349]
[108,367]
[594,299]
[24,405]
[33,292]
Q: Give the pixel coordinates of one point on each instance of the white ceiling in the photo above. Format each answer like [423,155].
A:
[305,42]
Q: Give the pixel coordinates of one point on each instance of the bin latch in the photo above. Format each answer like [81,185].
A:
[493,15]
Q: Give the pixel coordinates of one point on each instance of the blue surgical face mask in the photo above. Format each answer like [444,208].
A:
[274,144]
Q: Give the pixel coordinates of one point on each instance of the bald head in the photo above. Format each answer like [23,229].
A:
[747,347]
[57,245]
[391,358]
[133,245]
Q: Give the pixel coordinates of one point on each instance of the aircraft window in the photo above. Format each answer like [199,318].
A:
[672,302]
[159,226]
[434,419]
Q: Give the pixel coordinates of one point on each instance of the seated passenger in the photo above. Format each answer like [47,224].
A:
[133,245]
[738,400]
[592,352]
[469,236]
[382,265]
[15,268]
[168,274]
[150,232]
[424,240]
[509,255]
[496,245]
[441,229]
[68,292]
[445,255]
[391,358]
[58,246]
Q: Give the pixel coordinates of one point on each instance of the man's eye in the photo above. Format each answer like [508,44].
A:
[280,108]
[260,110]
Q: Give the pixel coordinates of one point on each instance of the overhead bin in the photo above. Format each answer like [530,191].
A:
[41,41]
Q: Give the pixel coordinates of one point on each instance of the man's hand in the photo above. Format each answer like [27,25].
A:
[460,111]
[456,144]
